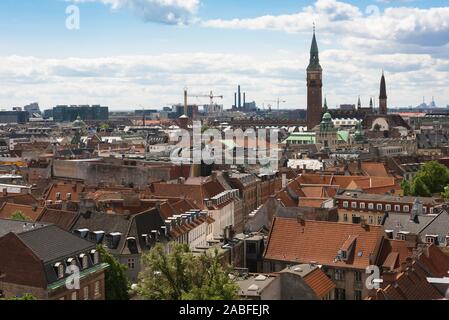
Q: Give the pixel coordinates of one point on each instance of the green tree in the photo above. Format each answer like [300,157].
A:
[406,187]
[420,188]
[20,216]
[116,282]
[180,275]
[432,178]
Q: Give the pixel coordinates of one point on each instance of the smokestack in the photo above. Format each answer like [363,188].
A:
[185,102]
[235,100]
[240,97]
[244,99]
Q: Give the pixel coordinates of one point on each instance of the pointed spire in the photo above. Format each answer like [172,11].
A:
[371,105]
[383,87]
[314,52]
[359,103]
[325,109]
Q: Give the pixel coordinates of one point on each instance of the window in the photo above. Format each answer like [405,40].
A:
[95,256]
[388,207]
[339,275]
[345,217]
[379,207]
[357,295]
[379,220]
[97,289]
[401,236]
[357,276]
[424,209]
[86,293]
[131,263]
[74,296]
[354,205]
[430,239]
[406,209]
[370,206]
[371,220]
[84,261]
[340,294]
[345,204]
[362,205]
[397,208]
[60,270]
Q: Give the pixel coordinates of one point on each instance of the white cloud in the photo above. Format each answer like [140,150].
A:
[156,81]
[426,27]
[162,11]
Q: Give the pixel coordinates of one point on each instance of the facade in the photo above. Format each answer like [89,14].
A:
[85,113]
[314,87]
[19,117]
[371,208]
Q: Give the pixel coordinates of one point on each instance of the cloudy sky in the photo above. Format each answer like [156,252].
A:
[131,53]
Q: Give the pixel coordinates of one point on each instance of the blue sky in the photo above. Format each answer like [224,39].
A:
[123,58]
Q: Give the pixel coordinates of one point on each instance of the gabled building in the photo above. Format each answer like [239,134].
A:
[35,259]
[343,250]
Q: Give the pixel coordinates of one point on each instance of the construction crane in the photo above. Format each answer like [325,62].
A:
[211,96]
[278,103]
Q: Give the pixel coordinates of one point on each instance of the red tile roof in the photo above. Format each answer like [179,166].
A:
[320,242]
[319,282]
[8,209]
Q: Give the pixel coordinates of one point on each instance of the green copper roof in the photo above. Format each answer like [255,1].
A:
[83,274]
[343,136]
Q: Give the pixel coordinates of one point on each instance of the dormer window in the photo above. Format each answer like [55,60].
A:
[60,270]
[406,209]
[379,207]
[370,206]
[397,208]
[84,261]
[431,239]
[71,261]
[95,256]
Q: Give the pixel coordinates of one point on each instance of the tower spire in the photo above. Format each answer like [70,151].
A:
[314,52]
[383,95]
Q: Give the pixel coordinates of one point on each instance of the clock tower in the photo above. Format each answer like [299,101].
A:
[314,87]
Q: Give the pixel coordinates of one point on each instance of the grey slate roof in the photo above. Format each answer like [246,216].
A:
[439,226]
[50,243]
[401,222]
[7,226]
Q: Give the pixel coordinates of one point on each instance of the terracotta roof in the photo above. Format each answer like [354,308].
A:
[195,193]
[320,242]
[411,284]
[374,169]
[61,218]
[64,188]
[393,253]
[8,209]
[319,282]
[435,261]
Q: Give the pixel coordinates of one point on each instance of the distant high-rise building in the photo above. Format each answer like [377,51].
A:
[383,109]
[16,116]
[86,113]
[314,87]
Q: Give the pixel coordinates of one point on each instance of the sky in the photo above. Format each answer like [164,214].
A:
[130,54]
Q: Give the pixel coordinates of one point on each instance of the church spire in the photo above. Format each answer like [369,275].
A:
[383,108]
[325,109]
[314,53]
[359,103]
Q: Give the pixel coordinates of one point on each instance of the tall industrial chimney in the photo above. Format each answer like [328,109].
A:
[235,100]
[244,99]
[240,97]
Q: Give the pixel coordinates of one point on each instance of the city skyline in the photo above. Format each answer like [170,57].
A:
[125,59]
